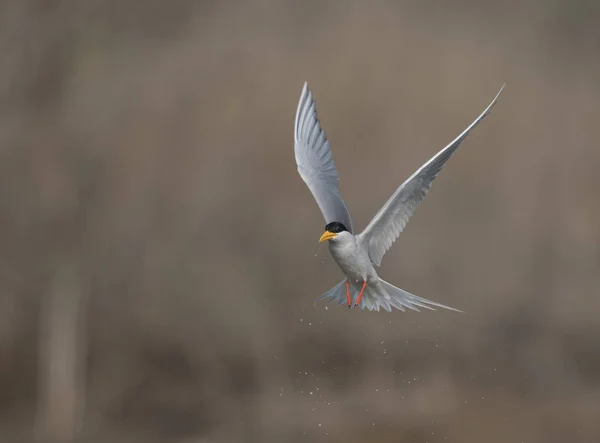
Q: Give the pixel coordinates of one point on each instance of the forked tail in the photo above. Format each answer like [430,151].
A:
[381,295]
[336,294]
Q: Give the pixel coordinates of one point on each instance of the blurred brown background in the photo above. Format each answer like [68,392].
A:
[159,255]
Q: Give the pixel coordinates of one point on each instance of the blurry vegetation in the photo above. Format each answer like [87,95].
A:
[158,269]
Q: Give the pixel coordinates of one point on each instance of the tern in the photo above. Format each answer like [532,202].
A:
[357,255]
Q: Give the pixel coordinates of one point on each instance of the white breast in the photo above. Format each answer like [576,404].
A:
[354,264]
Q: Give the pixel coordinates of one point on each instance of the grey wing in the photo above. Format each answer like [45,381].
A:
[315,161]
[391,219]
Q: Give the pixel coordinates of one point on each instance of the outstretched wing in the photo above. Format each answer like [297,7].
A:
[315,161]
[391,219]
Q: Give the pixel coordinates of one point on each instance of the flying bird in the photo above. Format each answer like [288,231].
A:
[358,254]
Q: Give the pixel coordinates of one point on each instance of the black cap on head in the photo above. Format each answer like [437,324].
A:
[335,227]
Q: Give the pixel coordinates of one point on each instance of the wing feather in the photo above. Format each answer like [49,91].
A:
[315,161]
[392,218]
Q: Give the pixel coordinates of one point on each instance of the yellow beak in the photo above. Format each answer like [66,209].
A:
[327,236]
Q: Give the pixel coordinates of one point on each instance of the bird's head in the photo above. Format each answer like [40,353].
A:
[333,230]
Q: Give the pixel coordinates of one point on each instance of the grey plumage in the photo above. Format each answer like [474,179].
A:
[391,219]
[315,161]
[356,255]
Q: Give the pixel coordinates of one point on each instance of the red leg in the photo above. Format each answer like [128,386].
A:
[348,297]
[360,294]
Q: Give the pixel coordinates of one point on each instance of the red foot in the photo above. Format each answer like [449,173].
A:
[348,294]
[360,294]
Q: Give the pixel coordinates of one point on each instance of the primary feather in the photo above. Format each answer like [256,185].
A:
[391,219]
[315,161]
